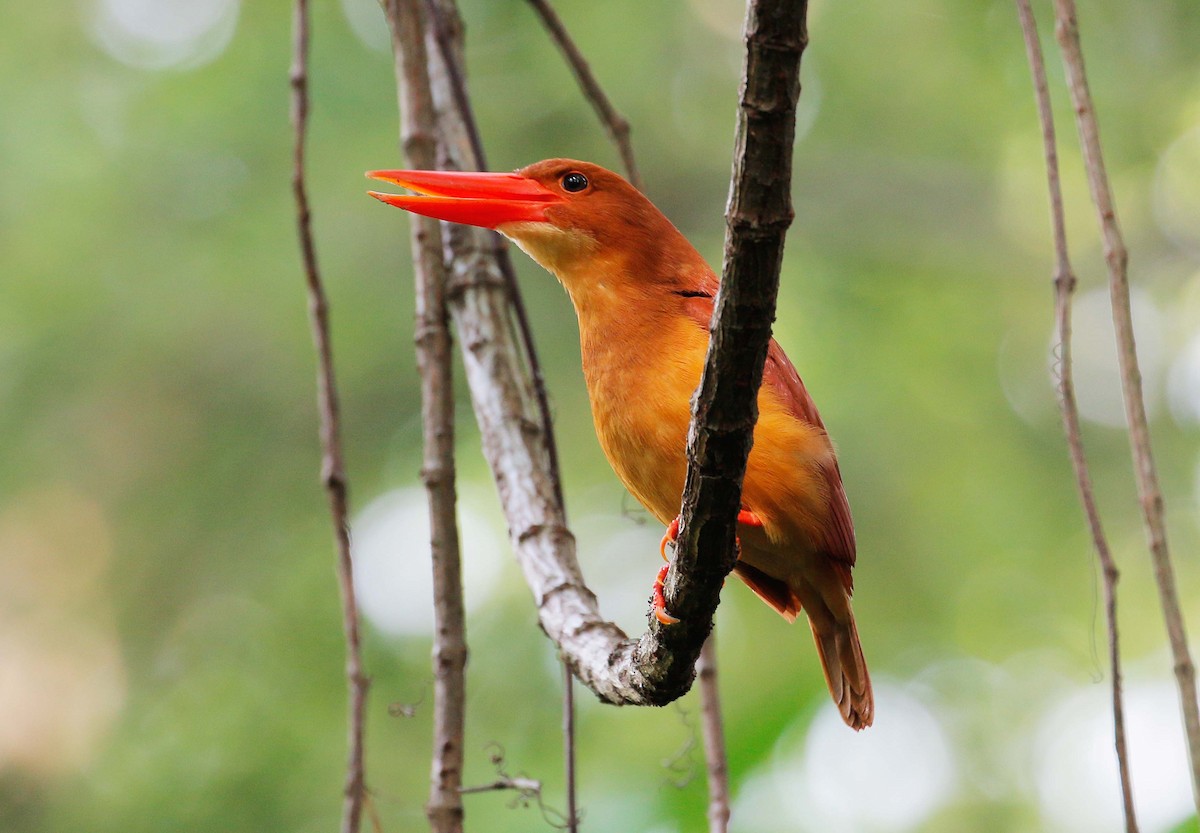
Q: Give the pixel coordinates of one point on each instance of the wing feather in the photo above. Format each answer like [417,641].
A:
[781,377]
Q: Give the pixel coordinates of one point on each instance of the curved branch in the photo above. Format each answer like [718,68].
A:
[446,31]
[659,666]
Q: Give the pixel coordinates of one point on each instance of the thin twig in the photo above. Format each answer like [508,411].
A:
[616,124]
[618,130]
[451,53]
[1064,286]
[333,475]
[716,761]
[447,34]
[528,790]
[1149,492]
[529,786]
[568,730]
[681,764]
[433,343]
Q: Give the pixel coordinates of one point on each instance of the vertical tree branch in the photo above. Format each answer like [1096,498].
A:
[333,475]
[1064,286]
[1150,494]
[614,122]
[445,808]
[618,129]
[446,31]
[715,759]
[568,730]
[706,668]
[725,408]
[721,433]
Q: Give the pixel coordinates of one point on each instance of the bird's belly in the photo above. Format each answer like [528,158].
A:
[642,428]
[640,391]
[646,447]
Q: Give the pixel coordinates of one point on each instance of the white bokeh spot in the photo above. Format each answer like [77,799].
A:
[1183,384]
[1075,765]
[367,22]
[163,34]
[1094,355]
[890,778]
[1177,192]
[392,573]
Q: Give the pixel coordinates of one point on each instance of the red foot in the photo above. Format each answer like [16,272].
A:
[745,516]
[669,538]
[659,602]
[748,518]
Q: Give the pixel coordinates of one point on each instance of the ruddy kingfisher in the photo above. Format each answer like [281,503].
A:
[644,296]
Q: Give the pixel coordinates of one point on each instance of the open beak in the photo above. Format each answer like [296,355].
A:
[476,199]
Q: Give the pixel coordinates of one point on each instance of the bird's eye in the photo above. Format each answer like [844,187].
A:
[574,182]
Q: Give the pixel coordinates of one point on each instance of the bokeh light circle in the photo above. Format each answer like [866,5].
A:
[163,34]
[1177,192]
[392,573]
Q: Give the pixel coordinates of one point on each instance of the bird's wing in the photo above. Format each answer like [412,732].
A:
[783,379]
[781,376]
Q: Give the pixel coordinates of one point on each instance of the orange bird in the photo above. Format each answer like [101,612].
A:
[644,297]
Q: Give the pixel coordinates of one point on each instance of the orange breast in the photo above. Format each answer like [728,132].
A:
[640,387]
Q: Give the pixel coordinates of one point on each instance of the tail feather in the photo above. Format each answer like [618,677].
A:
[818,588]
[845,671]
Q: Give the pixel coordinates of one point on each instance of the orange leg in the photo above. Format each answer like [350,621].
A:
[745,516]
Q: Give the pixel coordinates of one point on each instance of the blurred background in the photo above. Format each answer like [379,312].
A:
[170,644]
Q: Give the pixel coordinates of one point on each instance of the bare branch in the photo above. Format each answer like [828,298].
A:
[514,439]
[616,124]
[530,786]
[1064,285]
[618,130]
[1116,255]
[528,790]
[717,763]
[568,730]
[447,34]
[660,666]
[445,807]
[333,475]
[725,408]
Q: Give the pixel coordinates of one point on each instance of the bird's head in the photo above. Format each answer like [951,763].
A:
[574,218]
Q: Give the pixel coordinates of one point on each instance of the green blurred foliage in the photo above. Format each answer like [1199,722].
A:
[169,623]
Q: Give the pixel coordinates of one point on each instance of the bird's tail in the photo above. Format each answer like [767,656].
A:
[845,670]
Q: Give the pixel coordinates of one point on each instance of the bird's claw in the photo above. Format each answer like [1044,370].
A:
[669,538]
[659,601]
[745,516]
